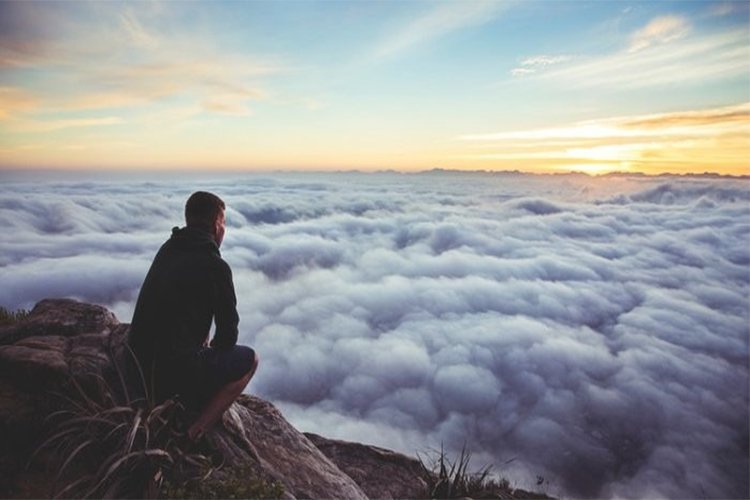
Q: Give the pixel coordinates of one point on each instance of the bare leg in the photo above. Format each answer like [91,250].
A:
[219,403]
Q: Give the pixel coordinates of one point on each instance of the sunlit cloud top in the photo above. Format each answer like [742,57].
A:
[678,142]
[536,86]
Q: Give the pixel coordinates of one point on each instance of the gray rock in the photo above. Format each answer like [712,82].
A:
[39,360]
[284,453]
[63,317]
[379,472]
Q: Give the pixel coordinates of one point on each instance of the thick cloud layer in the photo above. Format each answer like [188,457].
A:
[593,331]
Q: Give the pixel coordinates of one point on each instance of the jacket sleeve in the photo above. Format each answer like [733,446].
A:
[225,308]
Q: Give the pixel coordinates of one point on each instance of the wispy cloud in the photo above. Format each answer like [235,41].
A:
[545,60]
[27,33]
[739,114]
[726,8]
[442,20]
[14,100]
[138,35]
[697,60]
[631,126]
[522,71]
[214,79]
[530,65]
[228,105]
[660,30]
[125,61]
[58,124]
[662,52]
[673,141]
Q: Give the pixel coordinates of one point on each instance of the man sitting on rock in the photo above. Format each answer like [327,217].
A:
[188,286]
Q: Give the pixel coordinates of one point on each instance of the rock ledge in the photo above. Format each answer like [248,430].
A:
[63,339]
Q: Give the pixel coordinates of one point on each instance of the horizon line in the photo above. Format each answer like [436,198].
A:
[434,170]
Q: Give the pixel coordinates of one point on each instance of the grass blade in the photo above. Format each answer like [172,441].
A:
[133,432]
[72,486]
[70,458]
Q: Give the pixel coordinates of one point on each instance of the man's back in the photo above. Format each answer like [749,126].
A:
[187,287]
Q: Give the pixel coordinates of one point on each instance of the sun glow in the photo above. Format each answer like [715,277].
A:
[715,139]
[619,153]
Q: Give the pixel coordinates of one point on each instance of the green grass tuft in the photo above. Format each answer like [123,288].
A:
[104,443]
[239,482]
[8,317]
[452,479]
[105,449]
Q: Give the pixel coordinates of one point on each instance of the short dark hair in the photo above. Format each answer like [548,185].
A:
[202,209]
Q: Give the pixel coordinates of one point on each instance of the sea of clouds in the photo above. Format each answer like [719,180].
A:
[592,331]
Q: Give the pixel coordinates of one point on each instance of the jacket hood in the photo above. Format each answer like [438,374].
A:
[193,238]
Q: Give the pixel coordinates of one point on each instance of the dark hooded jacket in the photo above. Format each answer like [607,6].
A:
[187,287]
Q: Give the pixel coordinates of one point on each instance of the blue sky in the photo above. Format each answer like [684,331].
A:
[369,85]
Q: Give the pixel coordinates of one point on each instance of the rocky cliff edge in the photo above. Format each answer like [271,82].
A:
[64,343]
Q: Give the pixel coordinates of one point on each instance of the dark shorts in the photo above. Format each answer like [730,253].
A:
[219,367]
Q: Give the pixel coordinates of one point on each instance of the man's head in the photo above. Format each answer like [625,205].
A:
[206,211]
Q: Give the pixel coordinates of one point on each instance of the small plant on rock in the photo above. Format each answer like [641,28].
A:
[8,317]
[239,482]
[108,445]
[452,479]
